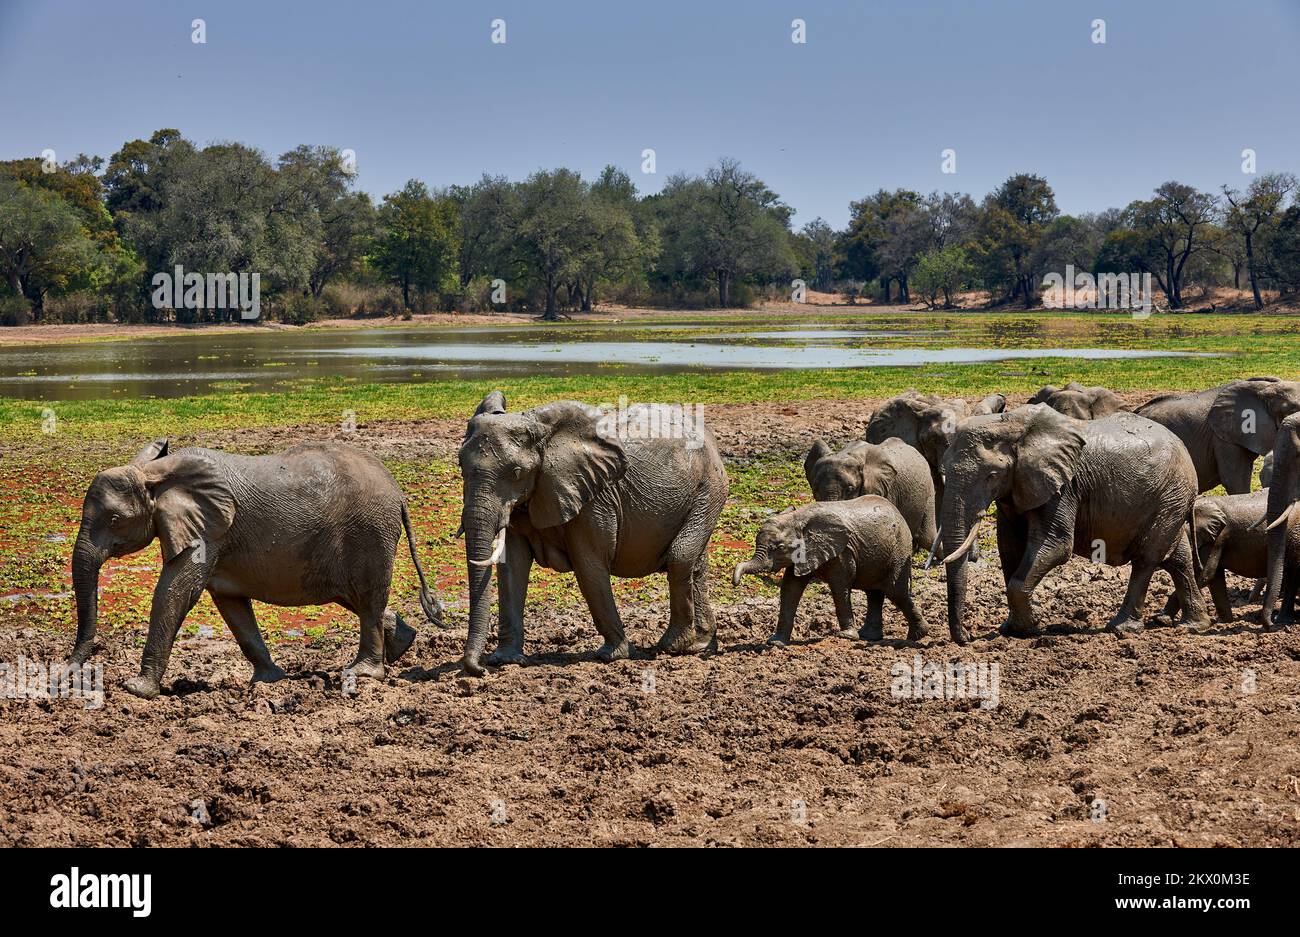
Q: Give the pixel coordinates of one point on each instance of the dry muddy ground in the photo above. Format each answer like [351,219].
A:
[1073,738]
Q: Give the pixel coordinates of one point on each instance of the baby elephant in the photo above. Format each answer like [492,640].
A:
[893,470]
[318,523]
[1231,537]
[859,544]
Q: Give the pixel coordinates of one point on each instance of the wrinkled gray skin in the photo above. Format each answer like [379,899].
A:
[1080,402]
[863,544]
[1226,428]
[1230,537]
[893,470]
[1060,485]
[1283,526]
[561,486]
[318,523]
[927,424]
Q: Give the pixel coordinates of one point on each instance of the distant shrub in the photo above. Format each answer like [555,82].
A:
[15,310]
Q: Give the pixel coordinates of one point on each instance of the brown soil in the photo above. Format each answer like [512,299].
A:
[1167,738]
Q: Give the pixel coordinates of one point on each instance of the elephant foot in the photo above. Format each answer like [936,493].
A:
[960,636]
[1197,625]
[1125,627]
[397,639]
[1011,628]
[503,656]
[268,674]
[1224,615]
[779,639]
[700,645]
[918,632]
[609,651]
[848,633]
[872,632]
[1161,621]
[366,668]
[472,668]
[142,686]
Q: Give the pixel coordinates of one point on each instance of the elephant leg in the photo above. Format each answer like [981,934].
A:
[1128,620]
[1179,567]
[179,587]
[1286,613]
[369,661]
[792,588]
[1219,593]
[705,623]
[237,611]
[842,595]
[1013,539]
[900,593]
[512,594]
[1236,467]
[873,627]
[1039,559]
[593,583]
[688,631]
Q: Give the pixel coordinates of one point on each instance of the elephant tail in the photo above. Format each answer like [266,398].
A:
[428,602]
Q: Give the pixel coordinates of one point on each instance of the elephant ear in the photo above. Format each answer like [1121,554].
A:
[932,437]
[993,403]
[818,452]
[154,450]
[1047,456]
[578,462]
[824,540]
[1044,395]
[882,468]
[1211,533]
[491,405]
[1241,415]
[192,500]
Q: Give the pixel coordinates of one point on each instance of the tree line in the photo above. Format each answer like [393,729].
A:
[80,241]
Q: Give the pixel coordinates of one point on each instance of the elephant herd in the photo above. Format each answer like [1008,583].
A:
[577,489]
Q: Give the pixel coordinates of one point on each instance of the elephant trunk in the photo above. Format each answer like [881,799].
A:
[484,548]
[960,525]
[87,560]
[1280,501]
[743,567]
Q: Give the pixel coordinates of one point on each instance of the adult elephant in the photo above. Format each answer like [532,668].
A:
[1118,490]
[315,524]
[1226,428]
[1080,402]
[1283,525]
[579,490]
[927,423]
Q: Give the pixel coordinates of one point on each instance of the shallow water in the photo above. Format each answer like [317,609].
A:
[261,360]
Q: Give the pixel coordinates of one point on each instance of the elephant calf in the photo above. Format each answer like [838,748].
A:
[1080,402]
[1230,536]
[860,544]
[893,470]
[318,523]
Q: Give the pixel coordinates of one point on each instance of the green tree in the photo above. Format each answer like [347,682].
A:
[417,247]
[1254,215]
[942,271]
[1162,234]
[44,245]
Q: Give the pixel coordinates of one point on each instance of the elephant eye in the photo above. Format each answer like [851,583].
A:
[519,472]
[113,520]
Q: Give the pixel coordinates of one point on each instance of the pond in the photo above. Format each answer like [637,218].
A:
[279,360]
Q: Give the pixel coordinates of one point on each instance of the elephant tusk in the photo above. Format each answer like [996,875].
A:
[1281,518]
[933,547]
[498,550]
[966,544]
[460,531]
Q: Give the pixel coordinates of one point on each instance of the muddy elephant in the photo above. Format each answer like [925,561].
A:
[1118,490]
[1080,402]
[576,489]
[1226,428]
[893,470]
[927,423]
[1282,526]
[316,524]
[863,543]
[1230,537]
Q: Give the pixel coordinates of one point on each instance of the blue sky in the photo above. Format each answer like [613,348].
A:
[871,99]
